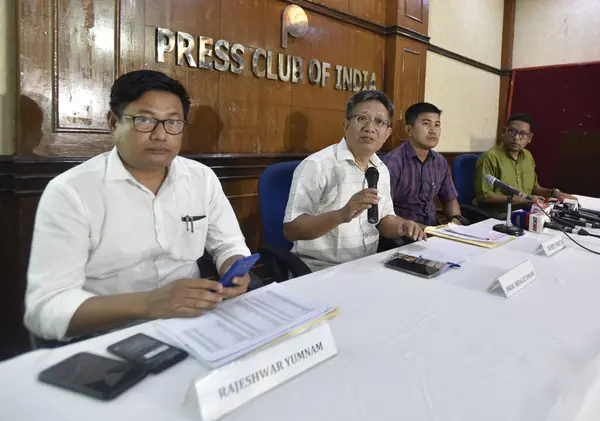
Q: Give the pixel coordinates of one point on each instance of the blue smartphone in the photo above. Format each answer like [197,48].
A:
[239,268]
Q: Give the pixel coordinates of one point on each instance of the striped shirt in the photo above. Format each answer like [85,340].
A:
[415,184]
[324,182]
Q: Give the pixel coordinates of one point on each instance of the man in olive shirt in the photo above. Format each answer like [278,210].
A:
[511,163]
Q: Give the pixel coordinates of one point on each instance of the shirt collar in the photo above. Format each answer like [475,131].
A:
[344,153]
[115,170]
[503,149]
[411,154]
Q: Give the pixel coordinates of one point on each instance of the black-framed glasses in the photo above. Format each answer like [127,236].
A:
[145,124]
[518,134]
[363,120]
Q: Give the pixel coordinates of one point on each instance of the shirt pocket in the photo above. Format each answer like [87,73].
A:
[190,241]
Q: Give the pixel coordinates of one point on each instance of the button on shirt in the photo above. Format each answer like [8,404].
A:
[518,173]
[100,232]
[415,184]
[324,182]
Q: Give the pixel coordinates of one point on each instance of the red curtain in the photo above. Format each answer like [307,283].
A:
[565,104]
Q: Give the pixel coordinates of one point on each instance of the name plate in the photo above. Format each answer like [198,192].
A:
[553,245]
[515,279]
[231,386]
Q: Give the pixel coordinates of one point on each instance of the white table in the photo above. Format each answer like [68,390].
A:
[409,349]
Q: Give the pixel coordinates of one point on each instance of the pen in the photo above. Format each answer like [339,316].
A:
[454,265]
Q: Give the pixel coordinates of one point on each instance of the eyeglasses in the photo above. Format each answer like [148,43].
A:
[363,120]
[145,124]
[518,134]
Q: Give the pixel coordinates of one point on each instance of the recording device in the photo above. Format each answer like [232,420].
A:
[505,188]
[372,176]
[530,221]
[507,228]
[419,266]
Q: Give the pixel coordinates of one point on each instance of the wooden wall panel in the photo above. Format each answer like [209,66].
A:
[85,64]
[371,10]
[411,14]
[97,40]
[407,85]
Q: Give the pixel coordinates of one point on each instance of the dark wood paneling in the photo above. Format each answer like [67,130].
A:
[405,81]
[85,64]
[411,14]
[372,10]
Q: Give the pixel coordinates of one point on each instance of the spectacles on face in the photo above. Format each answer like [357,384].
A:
[363,120]
[517,133]
[145,124]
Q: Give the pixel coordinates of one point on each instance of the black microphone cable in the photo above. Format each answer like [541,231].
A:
[580,232]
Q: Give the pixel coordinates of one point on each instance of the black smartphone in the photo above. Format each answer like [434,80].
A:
[93,375]
[148,353]
[416,265]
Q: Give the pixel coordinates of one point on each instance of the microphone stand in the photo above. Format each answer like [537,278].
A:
[508,228]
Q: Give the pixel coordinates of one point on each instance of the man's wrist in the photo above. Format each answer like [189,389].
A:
[459,218]
[139,305]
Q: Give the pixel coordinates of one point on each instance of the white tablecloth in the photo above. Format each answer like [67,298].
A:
[413,349]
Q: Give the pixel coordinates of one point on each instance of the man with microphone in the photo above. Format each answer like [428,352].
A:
[514,166]
[331,190]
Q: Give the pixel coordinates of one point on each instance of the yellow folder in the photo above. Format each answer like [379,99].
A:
[435,231]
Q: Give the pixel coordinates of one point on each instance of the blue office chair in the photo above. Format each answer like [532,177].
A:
[463,172]
[273,192]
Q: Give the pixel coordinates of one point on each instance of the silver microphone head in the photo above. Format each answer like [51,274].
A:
[490,179]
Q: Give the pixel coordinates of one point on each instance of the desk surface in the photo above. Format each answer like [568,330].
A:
[441,349]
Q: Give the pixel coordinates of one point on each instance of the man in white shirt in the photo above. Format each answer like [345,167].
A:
[325,215]
[116,239]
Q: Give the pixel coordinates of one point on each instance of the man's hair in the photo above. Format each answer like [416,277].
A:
[414,111]
[369,95]
[131,86]
[525,118]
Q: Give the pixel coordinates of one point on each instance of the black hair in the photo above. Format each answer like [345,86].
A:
[414,111]
[131,86]
[369,95]
[525,118]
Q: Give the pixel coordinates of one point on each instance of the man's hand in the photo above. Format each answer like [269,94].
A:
[188,297]
[562,196]
[412,230]
[358,203]
[517,200]
[242,283]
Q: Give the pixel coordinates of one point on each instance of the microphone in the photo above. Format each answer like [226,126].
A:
[506,189]
[372,176]
[530,221]
[570,230]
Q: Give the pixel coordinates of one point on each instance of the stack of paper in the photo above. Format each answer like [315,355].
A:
[243,324]
[470,234]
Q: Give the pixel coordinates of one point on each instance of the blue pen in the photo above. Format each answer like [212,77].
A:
[454,265]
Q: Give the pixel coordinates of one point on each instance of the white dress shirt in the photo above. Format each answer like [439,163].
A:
[100,232]
[324,182]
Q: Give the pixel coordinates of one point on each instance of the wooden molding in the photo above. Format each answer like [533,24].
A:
[29,175]
[466,60]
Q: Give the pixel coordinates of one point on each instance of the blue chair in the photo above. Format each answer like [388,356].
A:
[273,192]
[463,172]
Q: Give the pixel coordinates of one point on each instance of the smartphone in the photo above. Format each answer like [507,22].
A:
[416,265]
[94,376]
[239,268]
[148,353]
